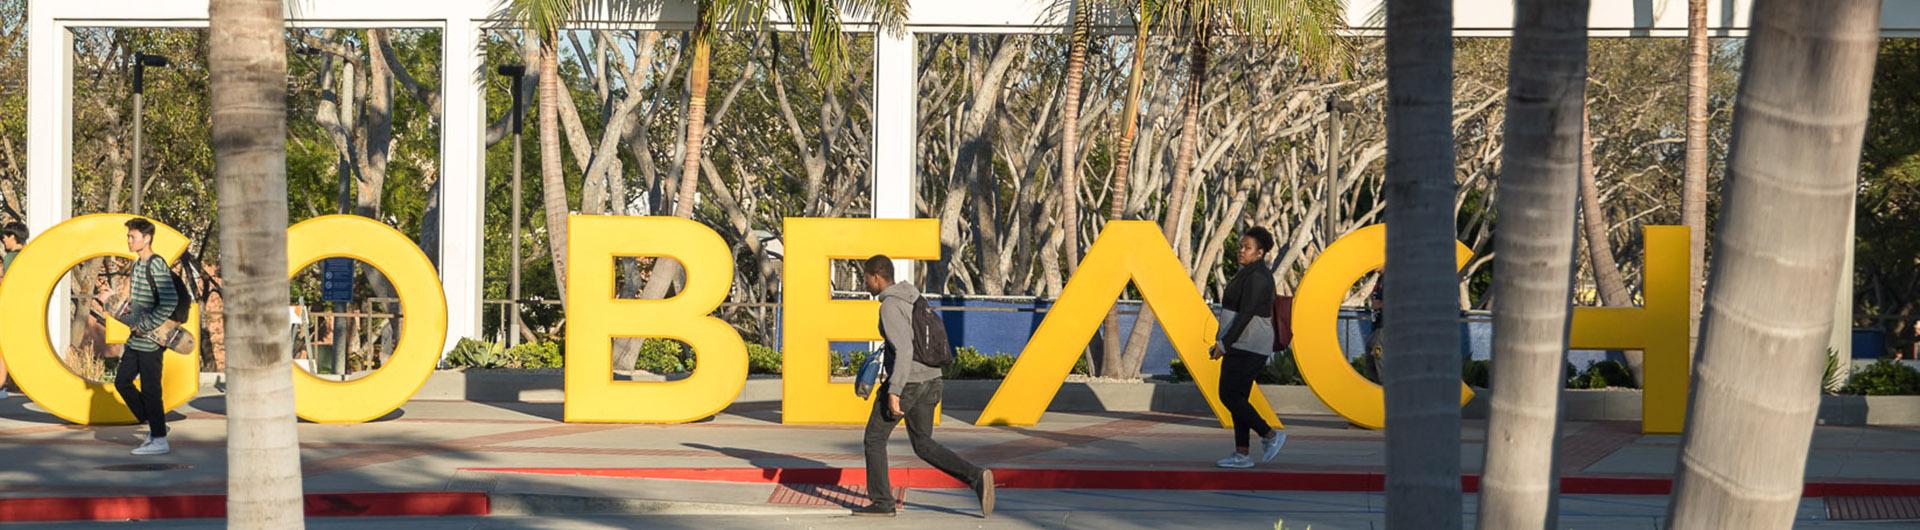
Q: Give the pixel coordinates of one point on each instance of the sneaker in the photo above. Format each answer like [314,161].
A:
[1235,461]
[875,510]
[986,493]
[153,446]
[1271,446]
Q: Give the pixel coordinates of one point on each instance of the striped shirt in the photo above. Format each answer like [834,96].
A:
[152,303]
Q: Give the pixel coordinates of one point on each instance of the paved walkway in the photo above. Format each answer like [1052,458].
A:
[439,445]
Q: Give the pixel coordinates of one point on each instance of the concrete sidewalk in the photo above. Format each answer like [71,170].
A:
[438,446]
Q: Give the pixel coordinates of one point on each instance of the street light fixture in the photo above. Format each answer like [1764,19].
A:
[141,61]
[516,73]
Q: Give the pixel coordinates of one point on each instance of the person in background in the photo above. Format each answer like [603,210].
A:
[1246,344]
[13,236]
[912,391]
[150,305]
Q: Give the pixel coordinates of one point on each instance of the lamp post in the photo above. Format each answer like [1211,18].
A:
[516,73]
[1334,108]
[140,63]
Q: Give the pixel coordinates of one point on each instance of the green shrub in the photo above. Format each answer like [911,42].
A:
[1365,366]
[762,360]
[536,355]
[969,363]
[1177,371]
[850,362]
[1281,370]
[1885,378]
[1831,379]
[1477,373]
[664,357]
[1603,374]
[470,353]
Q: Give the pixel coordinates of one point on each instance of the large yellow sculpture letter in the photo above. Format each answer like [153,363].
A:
[1658,328]
[1316,314]
[595,317]
[422,336]
[1125,250]
[811,319]
[23,333]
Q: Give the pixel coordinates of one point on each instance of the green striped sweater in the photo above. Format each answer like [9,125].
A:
[152,303]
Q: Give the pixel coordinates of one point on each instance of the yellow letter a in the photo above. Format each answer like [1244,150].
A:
[1125,250]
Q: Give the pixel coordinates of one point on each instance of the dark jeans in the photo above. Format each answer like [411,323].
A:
[1236,385]
[145,400]
[918,401]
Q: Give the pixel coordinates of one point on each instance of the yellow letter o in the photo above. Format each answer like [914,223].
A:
[27,348]
[422,333]
[1316,316]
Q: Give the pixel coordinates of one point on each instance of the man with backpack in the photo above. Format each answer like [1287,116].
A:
[917,348]
[149,311]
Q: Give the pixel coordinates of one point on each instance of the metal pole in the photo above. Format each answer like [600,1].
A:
[1333,170]
[139,122]
[516,72]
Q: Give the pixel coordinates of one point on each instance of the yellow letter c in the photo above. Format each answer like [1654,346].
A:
[1316,315]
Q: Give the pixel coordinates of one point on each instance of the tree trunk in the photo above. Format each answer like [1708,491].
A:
[1693,198]
[1179,208]
[247,65]
[1422,350]
[1792,166]
[1070,138]
[1533,262]
[553,182]
[1606,268]
[1111,354]
[666,271]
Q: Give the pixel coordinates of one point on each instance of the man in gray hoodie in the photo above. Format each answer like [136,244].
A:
[912,391]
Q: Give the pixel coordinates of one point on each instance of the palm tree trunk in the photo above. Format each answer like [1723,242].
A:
[1533,262]
[1606,269]
[665,271]
[1792,169]
[1422,372]
[247,64]
[1070,138]
[1179,215]
[1693,198]
[553,181]
[1111,353]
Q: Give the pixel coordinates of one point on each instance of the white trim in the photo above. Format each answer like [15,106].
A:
[893,132]
[463,151]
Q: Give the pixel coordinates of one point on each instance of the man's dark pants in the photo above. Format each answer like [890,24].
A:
[145,400]
[918,401]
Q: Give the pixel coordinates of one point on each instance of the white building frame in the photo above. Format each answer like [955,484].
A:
[462,140]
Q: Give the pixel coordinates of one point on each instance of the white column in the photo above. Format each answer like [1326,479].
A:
[894,94]
[462,178]
[49,140]
[1840,340]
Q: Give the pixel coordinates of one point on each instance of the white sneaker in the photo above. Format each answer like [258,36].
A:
[1270,448]
[153,446]
[1235,461]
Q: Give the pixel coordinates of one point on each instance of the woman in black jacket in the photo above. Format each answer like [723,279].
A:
[1246,343]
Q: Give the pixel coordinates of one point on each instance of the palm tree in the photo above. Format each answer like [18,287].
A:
[1533,261]
[1693,189]
[544,18]
[821,21]
[247,65]
[1306,28]
[1111,363]
[1070,132]
[1422,353]
[1792,168]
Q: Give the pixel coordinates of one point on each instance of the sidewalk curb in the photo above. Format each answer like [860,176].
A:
[359,504]
[1164,479]
[549,504]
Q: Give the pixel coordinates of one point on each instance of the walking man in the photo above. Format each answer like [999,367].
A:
[12,237]
[912,391]
[151,304]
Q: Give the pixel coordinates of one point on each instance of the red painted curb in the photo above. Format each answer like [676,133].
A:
[1022,478]
[46,509]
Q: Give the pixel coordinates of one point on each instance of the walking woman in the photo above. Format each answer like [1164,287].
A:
[1246,343]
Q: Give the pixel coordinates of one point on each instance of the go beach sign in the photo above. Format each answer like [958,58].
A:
[1125,251]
